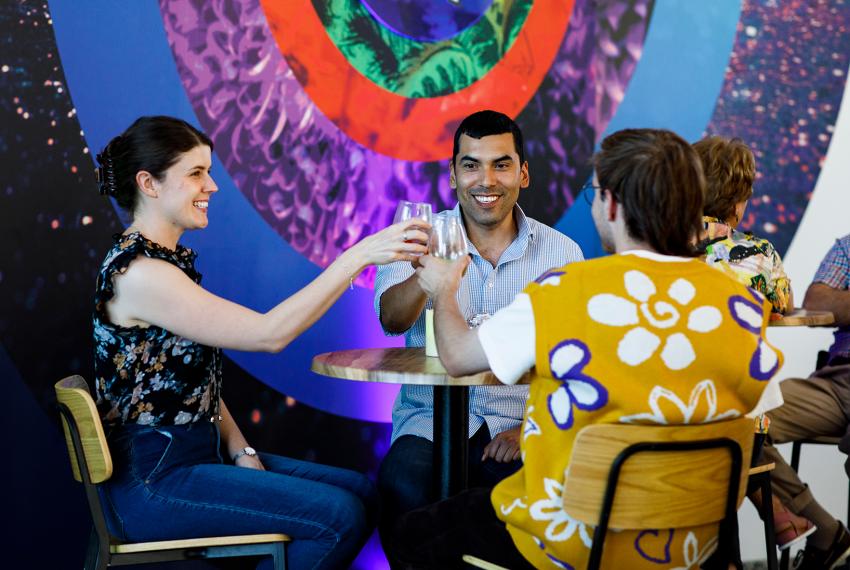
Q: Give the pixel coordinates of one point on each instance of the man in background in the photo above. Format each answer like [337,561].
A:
[818,406]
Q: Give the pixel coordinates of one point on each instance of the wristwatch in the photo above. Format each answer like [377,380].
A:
[249,451]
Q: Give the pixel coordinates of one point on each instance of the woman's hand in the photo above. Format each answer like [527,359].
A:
[250,462]
[404,241]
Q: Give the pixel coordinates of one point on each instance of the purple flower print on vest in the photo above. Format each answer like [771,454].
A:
[749,316]
[566,361]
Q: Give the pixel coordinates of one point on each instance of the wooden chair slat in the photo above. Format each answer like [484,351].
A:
[761,469]
[478,563]
[198,543]
[73,391]
[655,490]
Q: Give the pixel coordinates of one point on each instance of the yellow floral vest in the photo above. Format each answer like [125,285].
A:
[636,340]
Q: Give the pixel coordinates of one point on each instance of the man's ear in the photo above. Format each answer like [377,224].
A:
[524,179]
[146,183]
[611,207]
[452,179]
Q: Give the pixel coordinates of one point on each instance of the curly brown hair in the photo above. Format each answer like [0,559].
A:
[730,170]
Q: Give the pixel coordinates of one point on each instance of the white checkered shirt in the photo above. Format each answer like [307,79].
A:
[537,248]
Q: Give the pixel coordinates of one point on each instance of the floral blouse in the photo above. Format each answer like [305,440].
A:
[149,375]
[748,259]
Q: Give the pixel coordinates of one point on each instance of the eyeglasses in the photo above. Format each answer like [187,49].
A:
[589,191]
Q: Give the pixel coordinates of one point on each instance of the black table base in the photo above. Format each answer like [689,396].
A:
[451,440]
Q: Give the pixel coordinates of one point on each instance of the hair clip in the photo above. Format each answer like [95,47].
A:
[104,175]
[100,176]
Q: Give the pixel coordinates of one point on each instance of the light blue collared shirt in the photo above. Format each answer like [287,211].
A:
[484,289]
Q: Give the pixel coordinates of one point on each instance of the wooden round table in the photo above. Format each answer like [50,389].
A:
[803,318]
[451,399]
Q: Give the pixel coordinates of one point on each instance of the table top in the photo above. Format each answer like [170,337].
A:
[396,366]
[803,318]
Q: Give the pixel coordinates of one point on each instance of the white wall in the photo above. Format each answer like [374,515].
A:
[826,218]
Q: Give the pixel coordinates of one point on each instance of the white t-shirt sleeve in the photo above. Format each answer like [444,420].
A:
[771,398]
[508,340]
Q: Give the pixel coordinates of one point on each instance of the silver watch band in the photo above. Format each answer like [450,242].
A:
[244,451]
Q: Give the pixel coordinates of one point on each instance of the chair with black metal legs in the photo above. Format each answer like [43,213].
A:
[760,477]
[91,464]
[636,477]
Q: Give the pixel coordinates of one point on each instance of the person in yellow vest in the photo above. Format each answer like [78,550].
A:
[649,335]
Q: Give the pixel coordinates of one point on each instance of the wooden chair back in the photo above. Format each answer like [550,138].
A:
[663,482]
[73,392]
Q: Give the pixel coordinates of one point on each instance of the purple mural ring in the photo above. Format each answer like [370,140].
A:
[320,190]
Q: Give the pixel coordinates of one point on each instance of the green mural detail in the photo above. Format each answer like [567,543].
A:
[412,68]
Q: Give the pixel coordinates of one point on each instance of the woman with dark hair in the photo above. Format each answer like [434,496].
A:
[158,339]
[730,170]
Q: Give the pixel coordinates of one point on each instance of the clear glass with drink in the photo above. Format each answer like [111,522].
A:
[411,210]
[447,239]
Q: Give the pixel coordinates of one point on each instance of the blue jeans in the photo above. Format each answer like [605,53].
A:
[170,482]
[406,481]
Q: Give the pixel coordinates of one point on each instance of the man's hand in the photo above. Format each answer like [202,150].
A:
[504,447]
[439,276]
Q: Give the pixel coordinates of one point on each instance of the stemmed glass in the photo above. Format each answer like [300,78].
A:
[447,239]
[410,210]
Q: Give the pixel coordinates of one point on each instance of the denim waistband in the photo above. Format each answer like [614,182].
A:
[143,452]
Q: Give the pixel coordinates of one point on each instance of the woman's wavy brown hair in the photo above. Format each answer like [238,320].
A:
[730,170]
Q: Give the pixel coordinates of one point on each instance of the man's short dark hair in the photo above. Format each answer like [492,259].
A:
[486,123]
[657,177]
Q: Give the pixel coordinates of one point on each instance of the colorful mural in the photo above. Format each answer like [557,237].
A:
[325,113]
[324,153]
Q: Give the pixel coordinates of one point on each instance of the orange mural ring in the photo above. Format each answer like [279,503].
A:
[418,129]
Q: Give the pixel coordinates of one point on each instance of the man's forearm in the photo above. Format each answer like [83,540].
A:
[460,350]
[822,297]
[401,305]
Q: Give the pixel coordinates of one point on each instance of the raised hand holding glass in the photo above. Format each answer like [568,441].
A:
[409,210]
[448,239]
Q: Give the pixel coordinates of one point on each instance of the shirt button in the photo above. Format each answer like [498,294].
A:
[490,284]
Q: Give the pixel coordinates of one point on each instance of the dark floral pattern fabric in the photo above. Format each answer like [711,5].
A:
[150,376]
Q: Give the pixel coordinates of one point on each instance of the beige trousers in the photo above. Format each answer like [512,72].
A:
[814,406]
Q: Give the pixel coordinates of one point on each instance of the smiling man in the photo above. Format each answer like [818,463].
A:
[507,251]
[649,335]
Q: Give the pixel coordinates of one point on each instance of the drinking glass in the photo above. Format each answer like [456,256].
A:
[447,240]
[410,210]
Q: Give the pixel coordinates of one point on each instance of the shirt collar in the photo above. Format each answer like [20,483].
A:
[654,255]
[524,236]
